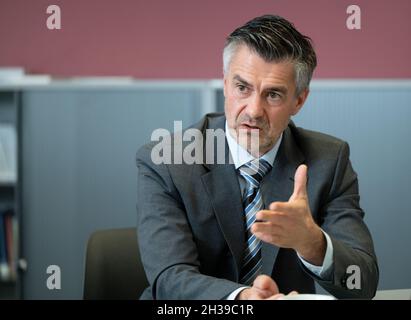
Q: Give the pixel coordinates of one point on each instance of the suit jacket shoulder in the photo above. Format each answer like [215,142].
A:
[315,144]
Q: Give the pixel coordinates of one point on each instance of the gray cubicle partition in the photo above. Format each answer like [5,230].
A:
[79,172]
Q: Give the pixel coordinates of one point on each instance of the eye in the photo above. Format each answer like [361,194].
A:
[241,87]
[274,95]
[242,90]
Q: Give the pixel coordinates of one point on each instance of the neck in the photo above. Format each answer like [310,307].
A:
[247,144]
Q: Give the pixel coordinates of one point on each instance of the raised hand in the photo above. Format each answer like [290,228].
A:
[290,224]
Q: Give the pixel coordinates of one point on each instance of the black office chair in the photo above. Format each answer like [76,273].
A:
[113,266]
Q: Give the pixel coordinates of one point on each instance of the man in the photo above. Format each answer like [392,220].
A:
[275,218]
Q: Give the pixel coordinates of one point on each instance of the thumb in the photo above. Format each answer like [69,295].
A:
[265,283]
[300,183]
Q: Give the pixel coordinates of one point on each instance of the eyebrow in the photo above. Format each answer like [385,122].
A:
[281,89]
[239,79]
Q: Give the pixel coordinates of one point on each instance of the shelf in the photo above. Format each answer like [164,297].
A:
[7,184]
[10,281]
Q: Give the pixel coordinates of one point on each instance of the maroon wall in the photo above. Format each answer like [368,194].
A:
[184,38]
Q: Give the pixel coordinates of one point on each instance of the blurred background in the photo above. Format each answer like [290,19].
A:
[77,102]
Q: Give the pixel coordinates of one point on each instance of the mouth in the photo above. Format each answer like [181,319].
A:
[247,126]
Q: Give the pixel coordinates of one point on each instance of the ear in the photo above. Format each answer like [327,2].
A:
[300,101]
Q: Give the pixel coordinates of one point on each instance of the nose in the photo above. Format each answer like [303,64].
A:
[255,108]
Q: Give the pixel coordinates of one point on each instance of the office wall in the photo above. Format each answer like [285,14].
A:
[79,148]
[184,38]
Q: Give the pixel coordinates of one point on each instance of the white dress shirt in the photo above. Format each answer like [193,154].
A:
[240,157]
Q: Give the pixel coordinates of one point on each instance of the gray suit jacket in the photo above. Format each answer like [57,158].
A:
[191,226]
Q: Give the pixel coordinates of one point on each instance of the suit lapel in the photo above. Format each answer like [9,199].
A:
[278,185]
[221,184]
[225,198]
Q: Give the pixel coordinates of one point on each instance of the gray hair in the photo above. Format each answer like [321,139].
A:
[275,39]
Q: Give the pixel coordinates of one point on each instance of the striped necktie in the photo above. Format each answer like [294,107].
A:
[253,172]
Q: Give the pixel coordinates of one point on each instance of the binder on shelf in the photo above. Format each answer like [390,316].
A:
[4,267]
[7,246]
[9,223]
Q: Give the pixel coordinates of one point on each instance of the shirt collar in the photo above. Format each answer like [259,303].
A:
[241,156]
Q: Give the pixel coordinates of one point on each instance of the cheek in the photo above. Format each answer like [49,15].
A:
[279,118]
[232,107]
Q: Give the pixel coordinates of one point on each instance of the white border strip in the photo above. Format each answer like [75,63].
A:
[360,83]
[109,85]
[213,84]
[343,83]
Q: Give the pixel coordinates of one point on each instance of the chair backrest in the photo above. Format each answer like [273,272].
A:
[113,266]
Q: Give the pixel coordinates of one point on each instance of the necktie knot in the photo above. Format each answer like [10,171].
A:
[254,171]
